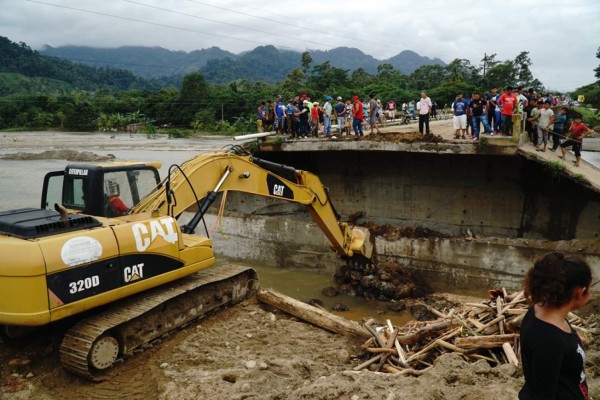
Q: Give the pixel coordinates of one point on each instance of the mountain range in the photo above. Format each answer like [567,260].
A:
[264,63]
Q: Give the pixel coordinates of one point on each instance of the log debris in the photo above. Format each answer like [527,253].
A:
[488,330]
[314,315]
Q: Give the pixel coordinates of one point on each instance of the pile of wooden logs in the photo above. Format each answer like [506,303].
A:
[477,331]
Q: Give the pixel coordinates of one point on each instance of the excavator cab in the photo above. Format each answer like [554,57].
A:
[88,188]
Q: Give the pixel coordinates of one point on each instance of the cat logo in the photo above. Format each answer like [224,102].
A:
[278,190]
[133,273]
[145,233]
[277,187]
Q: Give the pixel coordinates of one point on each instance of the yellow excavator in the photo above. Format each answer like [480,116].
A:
[107,238]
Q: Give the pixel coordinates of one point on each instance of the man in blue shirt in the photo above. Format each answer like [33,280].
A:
[340,114]
[459,109]
[289,114]
[279,115]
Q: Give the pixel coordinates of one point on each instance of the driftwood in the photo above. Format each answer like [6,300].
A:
[488,330]
[428,330]
[314,315]
[510,354]
[485,342]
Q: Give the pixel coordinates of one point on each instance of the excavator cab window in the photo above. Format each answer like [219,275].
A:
[125,188]
[52,192]
[68,192]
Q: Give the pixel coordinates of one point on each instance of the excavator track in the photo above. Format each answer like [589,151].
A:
[91,347]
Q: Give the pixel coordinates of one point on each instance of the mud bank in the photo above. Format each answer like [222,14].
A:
[240,354]
[69,155]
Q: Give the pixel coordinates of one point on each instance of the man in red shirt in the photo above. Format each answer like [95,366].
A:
[357,116]
[575,139]
[510,105]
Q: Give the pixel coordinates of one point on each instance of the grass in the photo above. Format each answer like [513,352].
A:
[581,179]
[556,168]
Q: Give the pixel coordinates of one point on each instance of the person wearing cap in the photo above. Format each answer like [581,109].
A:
[510,105]
[304,119]
[357,116]
[340,114]
[327,109]
[314,122]
[575,139]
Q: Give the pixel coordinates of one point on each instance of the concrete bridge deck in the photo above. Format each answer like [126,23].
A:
[587,174]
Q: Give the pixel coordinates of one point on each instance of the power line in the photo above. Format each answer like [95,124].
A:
[287,23]
[220,22]
[176,27]
[144,22]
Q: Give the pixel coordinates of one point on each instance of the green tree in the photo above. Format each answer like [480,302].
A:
[426,77]
[306,60]
[82,117]
[523,74]
[294,82]
[326,78]
[461,70]
[360,78]
[501,75]
[193,97]
[597,70]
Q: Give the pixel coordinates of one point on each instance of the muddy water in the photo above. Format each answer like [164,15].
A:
[306,285]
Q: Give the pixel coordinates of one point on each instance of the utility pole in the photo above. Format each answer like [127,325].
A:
[222,112]
[484,63]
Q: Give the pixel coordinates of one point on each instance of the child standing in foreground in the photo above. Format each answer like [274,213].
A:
[552,352]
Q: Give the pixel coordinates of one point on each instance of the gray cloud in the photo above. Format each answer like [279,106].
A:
[561,37]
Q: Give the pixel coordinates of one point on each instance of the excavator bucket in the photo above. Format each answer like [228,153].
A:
[362,242]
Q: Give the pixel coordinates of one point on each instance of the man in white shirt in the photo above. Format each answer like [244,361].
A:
[424,107]
[545,124]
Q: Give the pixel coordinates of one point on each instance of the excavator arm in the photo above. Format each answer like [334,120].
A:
[198,180]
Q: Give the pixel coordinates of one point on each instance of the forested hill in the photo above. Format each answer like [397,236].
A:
[19,61]
[146,62]
[264,63]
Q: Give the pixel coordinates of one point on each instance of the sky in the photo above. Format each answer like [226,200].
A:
[562,37]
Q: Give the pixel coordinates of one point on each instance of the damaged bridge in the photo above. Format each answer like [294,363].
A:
[494,206]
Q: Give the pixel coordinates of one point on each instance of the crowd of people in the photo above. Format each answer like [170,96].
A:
[301,117]
[495,113]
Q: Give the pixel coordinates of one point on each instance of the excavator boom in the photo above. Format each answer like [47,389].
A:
[203,176]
